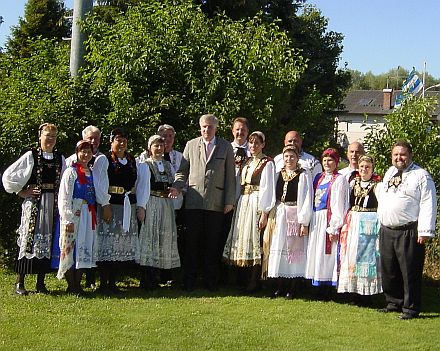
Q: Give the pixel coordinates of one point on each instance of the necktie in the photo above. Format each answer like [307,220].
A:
[209,147]
[240,156]
[167,157]
[353,175]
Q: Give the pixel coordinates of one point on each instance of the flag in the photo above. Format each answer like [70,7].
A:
[411,85]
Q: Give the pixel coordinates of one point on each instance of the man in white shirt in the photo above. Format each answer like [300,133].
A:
[407,212]
[306,160]
[240,132]
[354,151]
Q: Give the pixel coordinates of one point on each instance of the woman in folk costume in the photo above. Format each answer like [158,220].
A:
[35,177]
[243,246]
[289,236]
[77,207]
[359,239]
[125,182]
[329,209]
[158,234]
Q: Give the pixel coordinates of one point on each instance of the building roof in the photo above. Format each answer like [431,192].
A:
[370,102]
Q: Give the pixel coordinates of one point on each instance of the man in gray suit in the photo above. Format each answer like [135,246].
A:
[209,168]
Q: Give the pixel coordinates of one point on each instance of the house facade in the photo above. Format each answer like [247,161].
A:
[363,108]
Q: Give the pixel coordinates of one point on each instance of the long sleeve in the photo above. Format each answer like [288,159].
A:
[428,206]
[142,184]
[267,188]
[338,204]
[17,175]
[100,180]
[181,176]
[230,179]
[305,196]
[65,195]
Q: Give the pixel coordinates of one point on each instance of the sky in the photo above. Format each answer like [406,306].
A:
[379,35]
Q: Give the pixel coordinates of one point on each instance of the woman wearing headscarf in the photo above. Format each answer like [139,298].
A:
[77,207]
[359,254]
[158,233]
[292,213]
[123,190]
[35,177]
[329,209]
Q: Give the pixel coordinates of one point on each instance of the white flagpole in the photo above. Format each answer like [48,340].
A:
[424,76]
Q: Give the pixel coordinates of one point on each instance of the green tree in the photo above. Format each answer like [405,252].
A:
[167,62]
[42,19]
[322,84]
[394,79]
[412,122]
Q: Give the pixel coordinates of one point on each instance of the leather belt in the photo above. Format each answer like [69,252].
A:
[357,208]
[249,189]
[290,203]
[409,225]
[44,186]
[159,193]
[112,189]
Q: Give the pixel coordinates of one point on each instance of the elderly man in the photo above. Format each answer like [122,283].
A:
[306,160]
[168,133]
[354,151]
[407,211]
[93,135]
[208,167]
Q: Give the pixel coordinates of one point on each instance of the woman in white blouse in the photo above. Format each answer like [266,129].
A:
[35,177]
[243,246]
[77,207]
[158,234]
[329,208]
[123,189]
[288,236]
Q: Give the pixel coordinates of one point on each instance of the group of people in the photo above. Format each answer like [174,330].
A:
[287,219]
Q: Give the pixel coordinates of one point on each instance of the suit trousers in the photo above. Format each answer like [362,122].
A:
[204,230]
[402,260]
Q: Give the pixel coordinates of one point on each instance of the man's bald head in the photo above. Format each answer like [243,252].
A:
[354,151]
[293,138]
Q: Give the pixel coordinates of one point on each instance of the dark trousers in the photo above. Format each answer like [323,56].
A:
[203,237]
[402,261]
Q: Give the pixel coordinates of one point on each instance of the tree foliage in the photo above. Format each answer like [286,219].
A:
[394,79]
[167,62]
[411,122]
[42,19]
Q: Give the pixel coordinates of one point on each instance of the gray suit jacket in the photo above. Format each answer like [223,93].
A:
[211,185]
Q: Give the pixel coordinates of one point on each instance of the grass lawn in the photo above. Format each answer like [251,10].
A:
[170,319]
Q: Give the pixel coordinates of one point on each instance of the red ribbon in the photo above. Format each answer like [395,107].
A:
[92,210]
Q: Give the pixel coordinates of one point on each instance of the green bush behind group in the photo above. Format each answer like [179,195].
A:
[154,62]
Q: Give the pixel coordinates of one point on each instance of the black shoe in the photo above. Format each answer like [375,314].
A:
[114,289]
[41,289]
[276,294]
[289,296]
[387,310]
[405,316]
[20,290]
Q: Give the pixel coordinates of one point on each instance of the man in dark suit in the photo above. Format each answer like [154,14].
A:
[209,168]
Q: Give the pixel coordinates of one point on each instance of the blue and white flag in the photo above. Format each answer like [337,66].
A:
[411,85]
